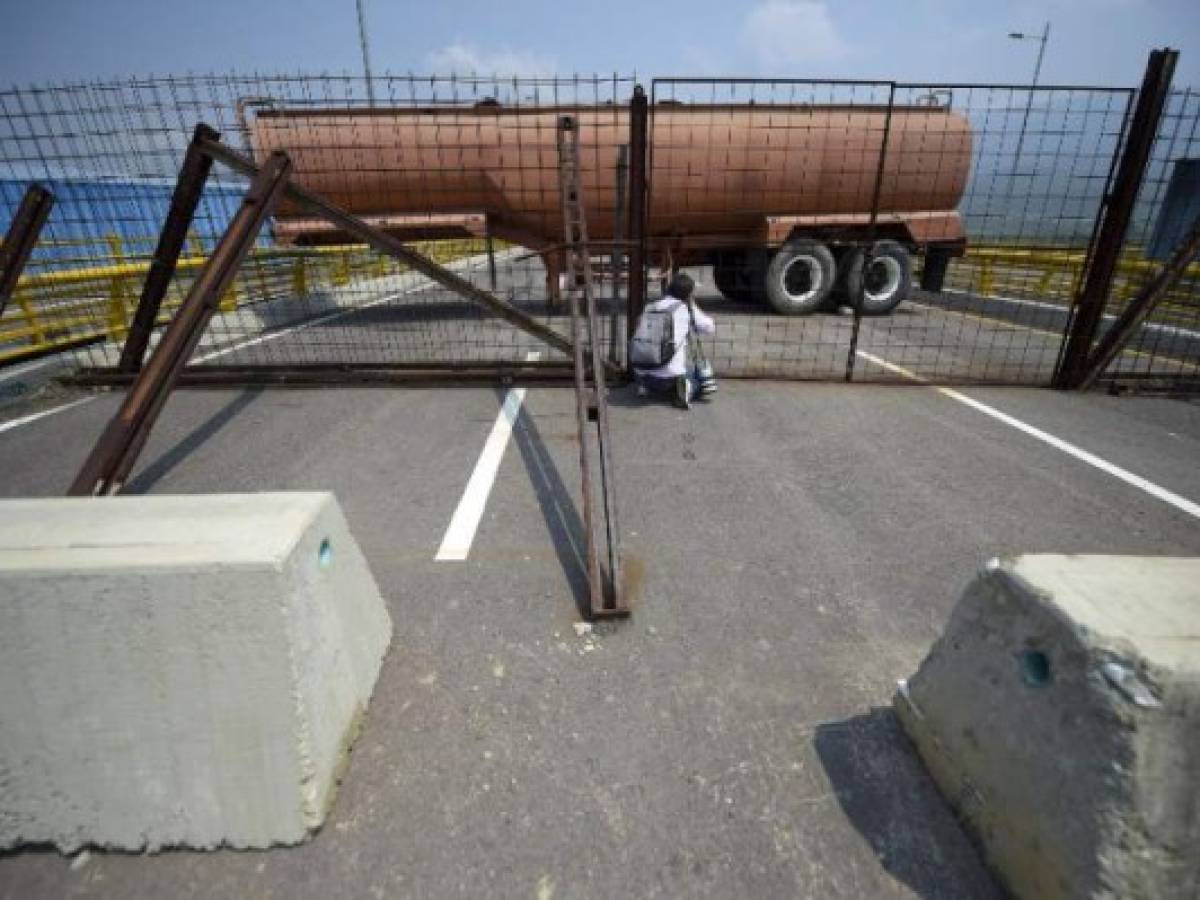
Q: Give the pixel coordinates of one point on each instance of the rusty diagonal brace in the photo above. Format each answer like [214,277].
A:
[385,243]
[113,456]
[188,189]
[22,234]
[1140,307]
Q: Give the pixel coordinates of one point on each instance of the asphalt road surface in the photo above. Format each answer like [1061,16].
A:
[795,549]
[949,337]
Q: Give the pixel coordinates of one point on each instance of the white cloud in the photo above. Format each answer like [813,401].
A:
[791,34]
[461,58]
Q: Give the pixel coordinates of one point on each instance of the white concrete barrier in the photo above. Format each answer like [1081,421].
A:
[180,671]
[1060,714]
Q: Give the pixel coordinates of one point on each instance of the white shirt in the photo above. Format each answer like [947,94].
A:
[678,364]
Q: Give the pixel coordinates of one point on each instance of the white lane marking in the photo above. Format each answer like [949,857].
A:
[308,323]
[460,534]
[9,374]
[468,264]
[1108,317]
[1182,503]
[1056,335]
[33,417]
[426,282]
[292,329]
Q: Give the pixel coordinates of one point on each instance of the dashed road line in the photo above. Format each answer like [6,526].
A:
[33,417]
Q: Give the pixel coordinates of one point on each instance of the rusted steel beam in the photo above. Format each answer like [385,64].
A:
[113,456]
[385,243]
[1117,212]
[22,234]
[591,400]
[639,114]
[1139,308]
[542,373]
[189,187]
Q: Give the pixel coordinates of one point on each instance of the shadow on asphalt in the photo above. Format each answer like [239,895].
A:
[557,505]
[887,795]
[161,467]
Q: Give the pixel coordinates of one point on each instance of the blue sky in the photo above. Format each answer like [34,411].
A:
[1092,41]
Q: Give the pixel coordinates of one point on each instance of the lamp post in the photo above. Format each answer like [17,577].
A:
[1037,71]
[362,40]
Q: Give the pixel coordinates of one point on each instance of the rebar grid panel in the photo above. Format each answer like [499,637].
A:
[781,161]
[1041,161]
[736,168]
[453,165]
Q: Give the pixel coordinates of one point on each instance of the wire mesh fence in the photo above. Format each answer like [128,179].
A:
[1000,186]
[974,205]
[465,168]
[1040,163]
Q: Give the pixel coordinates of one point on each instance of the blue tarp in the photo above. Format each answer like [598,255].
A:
[88,211]
[1180,210]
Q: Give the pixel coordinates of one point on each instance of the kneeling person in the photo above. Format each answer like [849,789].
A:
[659,348]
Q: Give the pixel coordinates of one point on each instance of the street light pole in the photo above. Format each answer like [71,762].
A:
[362,39]
[1037,71]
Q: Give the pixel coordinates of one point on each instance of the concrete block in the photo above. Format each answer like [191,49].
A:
[1060,714]
[180,671]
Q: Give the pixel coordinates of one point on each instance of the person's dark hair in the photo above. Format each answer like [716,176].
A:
[681,286]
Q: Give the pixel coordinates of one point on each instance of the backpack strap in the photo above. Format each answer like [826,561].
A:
[693,336]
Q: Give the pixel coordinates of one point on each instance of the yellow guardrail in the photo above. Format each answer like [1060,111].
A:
[71,306]
[1054,275]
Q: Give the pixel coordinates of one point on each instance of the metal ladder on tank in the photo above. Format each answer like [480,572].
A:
[606,595]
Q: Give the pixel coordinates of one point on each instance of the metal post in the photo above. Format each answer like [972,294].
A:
[491,255]
[619,257]
[872,223]
[620,211]
[22,234]
[1117,212]
[113,456]
[189,187]
[638,120]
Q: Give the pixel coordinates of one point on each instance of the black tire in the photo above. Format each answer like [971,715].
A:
[800,277]
[726,278]
[889,280]
[739,275]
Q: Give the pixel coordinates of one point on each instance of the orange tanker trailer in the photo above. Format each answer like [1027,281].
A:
[777,199]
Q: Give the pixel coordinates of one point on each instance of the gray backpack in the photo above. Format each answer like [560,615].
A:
[654,343]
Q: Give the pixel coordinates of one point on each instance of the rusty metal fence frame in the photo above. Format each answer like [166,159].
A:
[1010,306]
[330,308]
[1050,260]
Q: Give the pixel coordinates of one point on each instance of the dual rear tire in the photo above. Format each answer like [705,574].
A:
[884,283]
[800,278]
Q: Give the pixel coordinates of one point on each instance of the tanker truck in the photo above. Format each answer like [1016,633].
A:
[777,199]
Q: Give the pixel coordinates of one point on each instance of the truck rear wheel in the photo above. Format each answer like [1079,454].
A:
[885,283]
[800,277]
